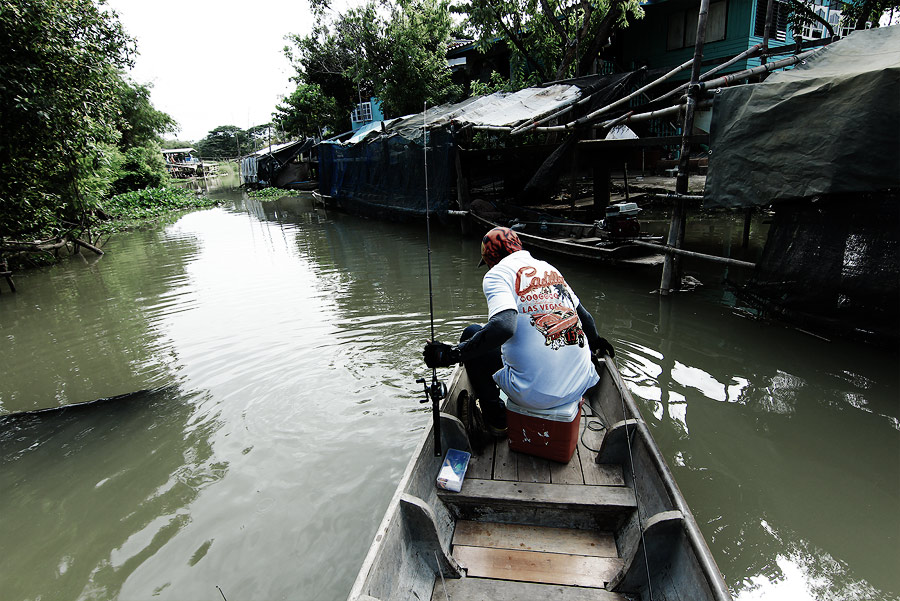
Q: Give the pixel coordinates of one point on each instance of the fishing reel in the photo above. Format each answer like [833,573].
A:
[435,391]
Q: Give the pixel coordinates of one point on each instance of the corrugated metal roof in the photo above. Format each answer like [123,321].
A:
[501,109]
[274,148]
[457,44]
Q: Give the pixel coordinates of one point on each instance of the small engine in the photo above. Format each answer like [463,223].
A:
[621,220]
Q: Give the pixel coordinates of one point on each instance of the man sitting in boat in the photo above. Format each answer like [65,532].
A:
[533,345]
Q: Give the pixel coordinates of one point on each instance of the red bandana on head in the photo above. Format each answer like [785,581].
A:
[498,243]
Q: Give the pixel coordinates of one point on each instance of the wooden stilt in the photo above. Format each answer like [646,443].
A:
[6,273]
[462,190]
[745,240]
[671,276]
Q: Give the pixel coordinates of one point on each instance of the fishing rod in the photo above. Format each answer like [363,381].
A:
[436,390]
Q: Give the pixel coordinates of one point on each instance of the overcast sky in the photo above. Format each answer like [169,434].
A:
[211,62]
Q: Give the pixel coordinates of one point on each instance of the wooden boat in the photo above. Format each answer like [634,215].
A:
[580,241]
[609,525]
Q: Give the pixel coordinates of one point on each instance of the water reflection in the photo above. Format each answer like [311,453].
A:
[91,493]
[87,328]
[785,449]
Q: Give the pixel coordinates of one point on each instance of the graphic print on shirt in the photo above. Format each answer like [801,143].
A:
[548,303]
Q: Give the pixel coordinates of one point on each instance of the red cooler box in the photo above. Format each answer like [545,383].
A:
[548,433]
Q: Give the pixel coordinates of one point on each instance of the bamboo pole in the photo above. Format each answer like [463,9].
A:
[689,253]
[529,126]
[592,116]
[676,227]
[748,53]
[565,109]
[767,32]
[675,196]
[729,79]
[497,128]
[626,118]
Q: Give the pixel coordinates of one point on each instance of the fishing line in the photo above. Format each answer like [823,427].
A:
[441,572]
[436,390]
[637,498]
[428,227]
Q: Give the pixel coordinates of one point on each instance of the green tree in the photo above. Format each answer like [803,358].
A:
[225,141]
[860,12]
[395,52]
[411,58]
[553,39]
[307,111]
[171,144]
[261,135]
[139,122]
[59,83]
[138,160]
[332,55]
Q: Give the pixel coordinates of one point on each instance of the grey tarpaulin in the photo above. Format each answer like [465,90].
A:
[829,126]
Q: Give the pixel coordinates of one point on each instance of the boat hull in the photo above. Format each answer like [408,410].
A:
[418,551]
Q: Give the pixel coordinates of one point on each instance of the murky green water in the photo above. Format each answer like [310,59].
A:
[276,347]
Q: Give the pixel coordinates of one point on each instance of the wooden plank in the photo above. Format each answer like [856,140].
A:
[532,469]
[605,474]
[481,466]
[504,462]
[567,473]
[486,589]
[532,493]
[594,473]
[532,566]
[518,537]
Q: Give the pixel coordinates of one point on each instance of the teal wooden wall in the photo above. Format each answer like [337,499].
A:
[645,41]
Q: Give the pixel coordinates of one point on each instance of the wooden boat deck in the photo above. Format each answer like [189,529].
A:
[498,462]
[521,561]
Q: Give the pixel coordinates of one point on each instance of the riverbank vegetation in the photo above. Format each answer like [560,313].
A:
[268,193]
[124,211]
[75,128]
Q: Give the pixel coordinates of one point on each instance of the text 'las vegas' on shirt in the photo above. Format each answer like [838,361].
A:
[547,363]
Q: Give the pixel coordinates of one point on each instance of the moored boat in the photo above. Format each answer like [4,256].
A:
[611,524]
[578,240]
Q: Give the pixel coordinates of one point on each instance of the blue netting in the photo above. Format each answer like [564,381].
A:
[386,174]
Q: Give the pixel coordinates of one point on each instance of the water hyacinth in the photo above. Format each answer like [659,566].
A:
[123,210]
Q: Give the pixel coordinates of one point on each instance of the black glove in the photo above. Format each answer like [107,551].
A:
[438,354]
[601,346]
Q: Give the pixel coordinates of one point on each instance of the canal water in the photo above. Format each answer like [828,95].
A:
[259,363]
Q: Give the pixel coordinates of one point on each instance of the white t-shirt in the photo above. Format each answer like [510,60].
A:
[547,362]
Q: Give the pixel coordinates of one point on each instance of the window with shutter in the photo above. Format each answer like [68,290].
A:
[779,19]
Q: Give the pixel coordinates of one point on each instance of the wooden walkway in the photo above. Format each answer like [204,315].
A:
[528,535]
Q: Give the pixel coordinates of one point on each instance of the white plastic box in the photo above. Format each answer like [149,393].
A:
[453,470]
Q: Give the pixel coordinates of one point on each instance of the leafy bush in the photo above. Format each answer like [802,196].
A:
[59,70]
[143,167]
